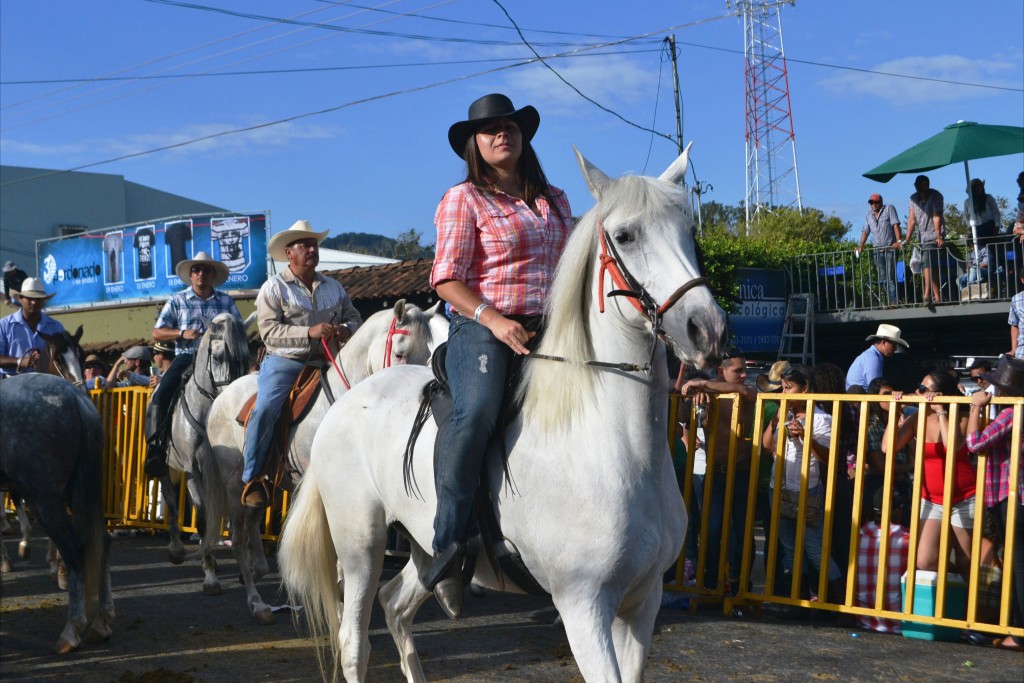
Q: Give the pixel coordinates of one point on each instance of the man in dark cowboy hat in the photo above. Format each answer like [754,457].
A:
[20,343]
[13,277]
[181,322]
[297,311]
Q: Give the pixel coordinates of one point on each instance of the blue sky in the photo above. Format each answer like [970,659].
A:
[379,162]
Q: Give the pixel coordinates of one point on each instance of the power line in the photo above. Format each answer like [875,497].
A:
[314,69]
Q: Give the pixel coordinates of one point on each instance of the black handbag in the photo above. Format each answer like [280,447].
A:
[789,507]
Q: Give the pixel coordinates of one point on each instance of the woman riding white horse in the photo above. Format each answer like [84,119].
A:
[591,503]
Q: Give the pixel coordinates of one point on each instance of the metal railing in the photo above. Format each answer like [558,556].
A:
[760,498]
[883,278]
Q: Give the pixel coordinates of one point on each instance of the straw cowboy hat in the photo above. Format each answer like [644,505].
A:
[890,332]
[772,382]
[9,266]
[202,259]
[300,230]
[489,108]
[32,288]
[1009,374]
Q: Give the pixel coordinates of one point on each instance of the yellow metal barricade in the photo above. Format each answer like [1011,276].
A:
[742,595]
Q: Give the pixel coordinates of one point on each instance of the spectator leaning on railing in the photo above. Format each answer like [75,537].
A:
[1008,377]
[883,223]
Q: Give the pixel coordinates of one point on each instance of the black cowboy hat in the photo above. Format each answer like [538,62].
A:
[488,108]
[1009,374]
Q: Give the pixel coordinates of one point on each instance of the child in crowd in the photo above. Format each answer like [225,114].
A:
[869,548]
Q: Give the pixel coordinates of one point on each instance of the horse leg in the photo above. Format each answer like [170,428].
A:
[171,491]
[402,598]
[101,627]
[245,523]
[52,517]
[58,570]
[25,526]
[587,614]
[5,561]
[632,631]
[257,553]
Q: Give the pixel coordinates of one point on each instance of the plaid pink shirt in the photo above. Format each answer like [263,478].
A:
[995,439]
[499,247]
[867,574]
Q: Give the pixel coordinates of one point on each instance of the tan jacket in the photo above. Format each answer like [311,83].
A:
[286,310]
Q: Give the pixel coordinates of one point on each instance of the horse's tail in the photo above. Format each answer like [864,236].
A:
[87,499]
[308,565]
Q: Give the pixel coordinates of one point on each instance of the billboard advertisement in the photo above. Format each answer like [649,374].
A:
[758,324]
[135,263]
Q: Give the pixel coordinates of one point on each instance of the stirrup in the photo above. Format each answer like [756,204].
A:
[441,564]
[255,494]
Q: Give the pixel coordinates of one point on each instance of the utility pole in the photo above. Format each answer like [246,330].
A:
[695,191]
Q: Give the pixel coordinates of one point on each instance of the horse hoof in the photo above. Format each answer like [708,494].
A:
[98,633]
[63,647]
[62,580]
[264,617]
[24,550]
[212,589]
[5,567]
[176,556]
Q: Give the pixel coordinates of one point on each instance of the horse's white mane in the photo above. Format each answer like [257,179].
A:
[552,392]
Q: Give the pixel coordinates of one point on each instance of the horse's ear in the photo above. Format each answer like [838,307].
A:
[77,336]
[434,310]
[677,170]
[399,310]
[206,322]
[250,320]
[596,180]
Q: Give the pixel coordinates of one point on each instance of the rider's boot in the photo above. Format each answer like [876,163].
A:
[156,449]
[444,578]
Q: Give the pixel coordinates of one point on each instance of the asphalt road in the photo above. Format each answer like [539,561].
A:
[167,630]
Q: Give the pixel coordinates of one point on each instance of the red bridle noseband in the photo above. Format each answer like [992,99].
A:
[392,331]
[629,287]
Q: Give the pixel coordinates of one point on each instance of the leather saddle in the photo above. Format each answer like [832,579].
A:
[303,394]
[485,529]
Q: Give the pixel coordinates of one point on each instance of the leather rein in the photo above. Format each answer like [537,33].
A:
[389,342]
[629,287]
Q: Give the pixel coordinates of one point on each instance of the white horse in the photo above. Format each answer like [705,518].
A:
[402,335]
[222,357]
[592,504]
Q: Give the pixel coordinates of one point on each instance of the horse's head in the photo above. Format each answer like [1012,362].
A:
[224,349]
[63,356]
[646,237]
[409,340]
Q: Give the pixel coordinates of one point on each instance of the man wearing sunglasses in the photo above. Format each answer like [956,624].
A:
[869,364]
[883,223]
[181,323]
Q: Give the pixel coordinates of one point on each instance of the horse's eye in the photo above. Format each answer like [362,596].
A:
[623,237]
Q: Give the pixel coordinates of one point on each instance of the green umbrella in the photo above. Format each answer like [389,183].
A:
[961,141]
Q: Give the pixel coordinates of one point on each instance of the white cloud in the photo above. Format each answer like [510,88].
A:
[909,92]
[613,81]
[253,142]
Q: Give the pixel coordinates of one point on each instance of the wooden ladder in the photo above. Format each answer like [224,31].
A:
[797,341]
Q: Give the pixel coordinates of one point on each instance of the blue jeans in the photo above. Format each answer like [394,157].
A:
[170,381]
[738,519]
[885,263]
[477,365]
[812,539]
[277,375]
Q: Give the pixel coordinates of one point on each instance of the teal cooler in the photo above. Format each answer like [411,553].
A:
[925,589]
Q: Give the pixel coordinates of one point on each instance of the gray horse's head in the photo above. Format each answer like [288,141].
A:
[224,348]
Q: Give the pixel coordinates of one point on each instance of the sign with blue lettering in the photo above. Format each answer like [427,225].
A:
[758,324]
[135,263]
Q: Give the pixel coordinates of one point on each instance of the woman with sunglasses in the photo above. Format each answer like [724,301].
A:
[500,234]
[935,448]
[797,379]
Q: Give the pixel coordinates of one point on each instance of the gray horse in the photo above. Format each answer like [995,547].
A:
[222,357]
[52,454]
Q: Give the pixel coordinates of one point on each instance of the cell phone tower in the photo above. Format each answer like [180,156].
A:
[773,180]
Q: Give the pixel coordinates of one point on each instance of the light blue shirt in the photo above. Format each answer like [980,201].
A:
[865,367]
[17,338]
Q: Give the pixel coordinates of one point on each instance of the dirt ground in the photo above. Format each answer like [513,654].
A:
[168,631]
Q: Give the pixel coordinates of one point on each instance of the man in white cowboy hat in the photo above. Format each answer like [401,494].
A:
[868,365]
[20,343]
[181,322]
[297,310]
[13,277]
